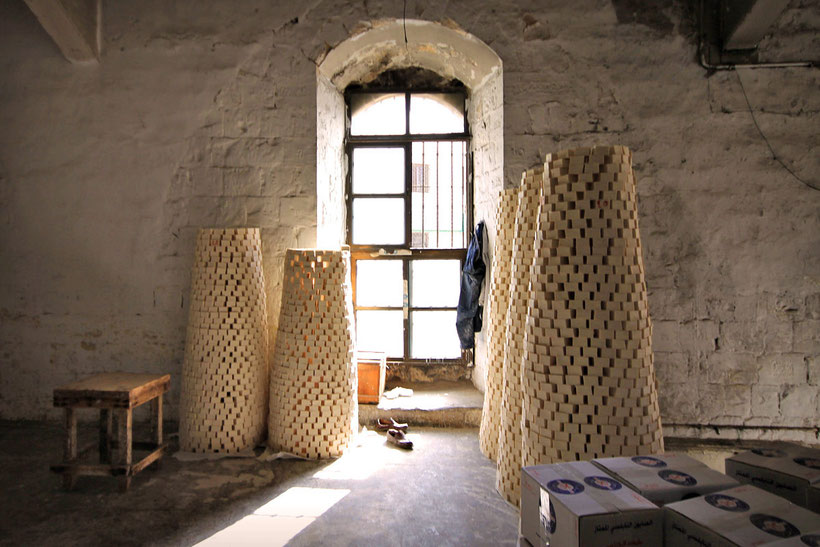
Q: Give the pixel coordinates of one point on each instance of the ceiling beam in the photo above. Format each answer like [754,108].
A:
[74,25]
[746,22]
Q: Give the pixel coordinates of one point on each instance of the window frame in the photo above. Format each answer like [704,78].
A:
[391,251]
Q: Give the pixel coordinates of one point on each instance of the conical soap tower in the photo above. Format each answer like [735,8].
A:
[224,400]
[313,381]
[589,379]
[508,476]
[499,298]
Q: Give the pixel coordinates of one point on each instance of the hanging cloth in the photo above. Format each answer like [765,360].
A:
[469,312]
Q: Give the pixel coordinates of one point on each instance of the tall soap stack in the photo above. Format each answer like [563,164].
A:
[313,382]
[508,477]
[224,398]
[589,380]
[499,298]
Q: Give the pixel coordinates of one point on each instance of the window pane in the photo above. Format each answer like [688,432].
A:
[436,113]
[435,283]
[434,335]
[379,283]
[377,114]
[439,197]
[378,330]
[378,221]
[378,170]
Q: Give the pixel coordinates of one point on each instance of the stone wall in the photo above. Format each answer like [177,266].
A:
[204,114]
[486,118]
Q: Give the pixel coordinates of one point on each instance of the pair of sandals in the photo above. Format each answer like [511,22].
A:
[395,432]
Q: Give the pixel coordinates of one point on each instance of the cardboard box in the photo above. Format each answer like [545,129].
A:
[741,516]
[812,539]
[576,504]
[666,478]
[813,497]
[371,366]
[785,469]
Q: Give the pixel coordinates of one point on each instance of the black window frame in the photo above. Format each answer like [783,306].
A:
[391,251]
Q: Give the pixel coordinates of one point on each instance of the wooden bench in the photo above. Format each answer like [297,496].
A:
[115,394]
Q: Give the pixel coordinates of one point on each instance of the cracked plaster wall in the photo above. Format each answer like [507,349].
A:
[204,113]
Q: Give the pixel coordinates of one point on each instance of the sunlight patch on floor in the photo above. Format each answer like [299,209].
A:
[370,453]
[279,520]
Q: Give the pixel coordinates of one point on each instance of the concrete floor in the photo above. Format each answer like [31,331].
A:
[441,493]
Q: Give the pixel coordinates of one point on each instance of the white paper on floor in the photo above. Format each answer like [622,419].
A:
[398,392]
[270,455]
[208,456]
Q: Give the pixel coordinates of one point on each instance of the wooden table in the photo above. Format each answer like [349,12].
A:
[115,394]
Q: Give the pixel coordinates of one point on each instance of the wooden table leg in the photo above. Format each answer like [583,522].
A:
[156,424]
[106,431]
[70,449]
[124,445]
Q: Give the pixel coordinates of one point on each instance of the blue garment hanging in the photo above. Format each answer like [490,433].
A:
[469,312]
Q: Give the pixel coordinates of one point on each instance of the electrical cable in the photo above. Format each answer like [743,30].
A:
[766,140]
[404,22]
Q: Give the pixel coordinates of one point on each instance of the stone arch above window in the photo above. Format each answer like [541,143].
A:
[445,50]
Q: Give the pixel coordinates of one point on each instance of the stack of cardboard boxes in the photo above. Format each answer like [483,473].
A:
[788,470]
[745,515]
[673,500]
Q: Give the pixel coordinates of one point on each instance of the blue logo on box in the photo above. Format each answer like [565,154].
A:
[813,463]
[565,486]
[677,477]
[775,526]
[649,461]
[768,452]
[727,503]
[602,483]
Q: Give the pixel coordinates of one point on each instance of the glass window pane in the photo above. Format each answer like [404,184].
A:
[436,113]
[434,335]
[377,114]
[378,170]
[378,330]
[378,221]
[434,283]
[439,196]
[379,283]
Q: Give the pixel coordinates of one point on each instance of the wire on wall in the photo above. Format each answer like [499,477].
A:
[404,21]
[766,140]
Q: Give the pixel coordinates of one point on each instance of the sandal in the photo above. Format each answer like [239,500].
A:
[383,424]
[397,437]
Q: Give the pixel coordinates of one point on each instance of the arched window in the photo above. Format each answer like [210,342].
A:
[389,47]
[409,198]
